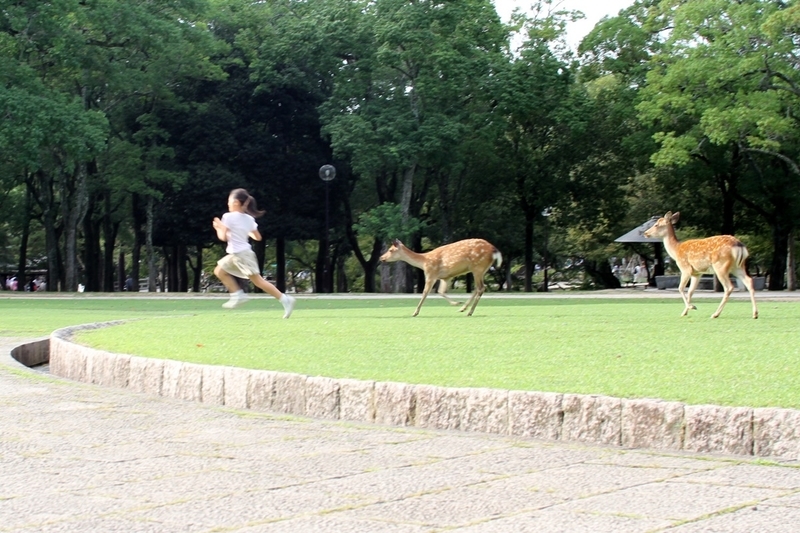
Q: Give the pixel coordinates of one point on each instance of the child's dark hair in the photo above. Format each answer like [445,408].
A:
[249,203]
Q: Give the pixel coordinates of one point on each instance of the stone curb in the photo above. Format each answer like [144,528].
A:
[595,419]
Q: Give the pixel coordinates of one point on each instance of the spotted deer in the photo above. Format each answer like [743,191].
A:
[723,255]
[447,262]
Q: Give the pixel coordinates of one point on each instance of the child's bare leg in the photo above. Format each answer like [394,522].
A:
[285,300]
[226,280]
[266,286]
[238,296]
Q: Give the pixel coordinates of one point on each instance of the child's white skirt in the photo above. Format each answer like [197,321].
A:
[241,264]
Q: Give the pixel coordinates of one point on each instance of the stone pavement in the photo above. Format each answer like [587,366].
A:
[84,458]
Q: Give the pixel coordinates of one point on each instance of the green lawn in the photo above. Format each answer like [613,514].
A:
[617,347]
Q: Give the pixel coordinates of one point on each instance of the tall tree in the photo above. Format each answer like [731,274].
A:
[723,96]
[415,91]
[544,109]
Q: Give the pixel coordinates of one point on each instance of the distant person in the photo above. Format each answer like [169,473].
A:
[235,227]
[129,284]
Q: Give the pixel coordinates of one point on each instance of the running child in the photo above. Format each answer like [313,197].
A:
[235,227]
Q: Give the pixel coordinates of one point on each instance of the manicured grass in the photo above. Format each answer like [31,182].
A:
[625,348]
[38,316]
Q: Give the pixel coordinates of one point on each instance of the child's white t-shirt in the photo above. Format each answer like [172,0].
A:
[239,227]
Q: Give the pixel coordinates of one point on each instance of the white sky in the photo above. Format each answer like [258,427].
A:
[593,9]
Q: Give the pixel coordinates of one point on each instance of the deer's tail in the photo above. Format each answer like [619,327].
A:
[498,258]
[740,254]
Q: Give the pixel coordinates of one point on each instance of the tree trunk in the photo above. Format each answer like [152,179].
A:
[121,269]
[528,285]
[321,269]
[138,239]
[168,266]
[23,241]
[402,281]
[370,266]
[341,274]
[280,263]
[791,264]
[92,262]
[197,269]
[74,204]
[151,253]
[51,233]
[110,230]
[780,243]
[183,272]
[601,274]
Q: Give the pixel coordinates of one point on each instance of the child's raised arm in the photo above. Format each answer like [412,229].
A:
[222,229]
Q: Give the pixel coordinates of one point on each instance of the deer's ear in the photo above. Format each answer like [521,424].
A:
[396,242]
[676,217]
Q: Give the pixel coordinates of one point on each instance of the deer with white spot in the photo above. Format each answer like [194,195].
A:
[723,255]
[448,261]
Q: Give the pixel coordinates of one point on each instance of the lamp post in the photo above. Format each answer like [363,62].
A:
[326,174]
[546,212]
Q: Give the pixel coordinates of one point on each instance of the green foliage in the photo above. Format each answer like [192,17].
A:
[385,222]
[721,96]
[677,105]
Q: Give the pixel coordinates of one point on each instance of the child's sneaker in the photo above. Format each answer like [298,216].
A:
[237,299]
[288,305]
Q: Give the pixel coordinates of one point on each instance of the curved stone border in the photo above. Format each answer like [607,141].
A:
[32,353]
[631,423]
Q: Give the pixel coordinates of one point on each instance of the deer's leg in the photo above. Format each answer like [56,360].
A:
[480,287]
[728,286]
[443,283]
[428,284]
[748,282]
[741,275]
[471,300]
[687,298]
[476,297]
[466,304]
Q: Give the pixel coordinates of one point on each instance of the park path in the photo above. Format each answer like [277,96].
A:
[83,458]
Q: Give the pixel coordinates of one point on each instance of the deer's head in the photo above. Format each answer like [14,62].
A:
[662,226]
[393,253]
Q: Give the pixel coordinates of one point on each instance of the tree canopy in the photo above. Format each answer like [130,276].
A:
[126,123]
